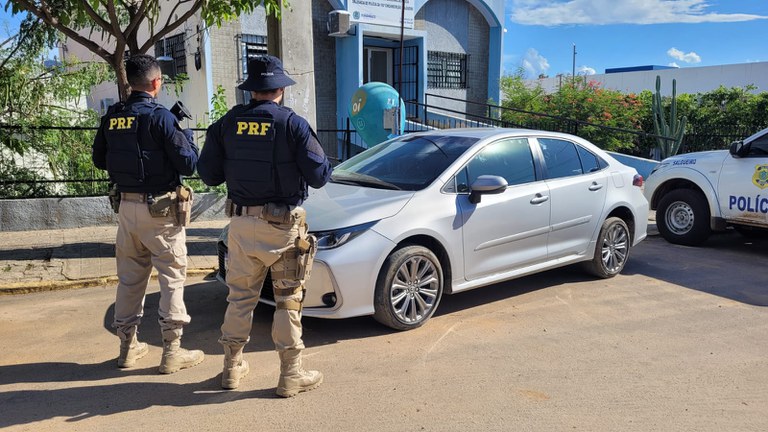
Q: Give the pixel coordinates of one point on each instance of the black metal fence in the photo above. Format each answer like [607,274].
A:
[637,142]
[56,161]
[47,162]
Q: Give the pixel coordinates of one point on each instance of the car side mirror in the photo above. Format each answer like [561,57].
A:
[737,149]
[486,185]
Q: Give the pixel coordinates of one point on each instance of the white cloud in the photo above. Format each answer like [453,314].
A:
[690,57]
[585,70]
[674,65]
[600,12]
[534,63]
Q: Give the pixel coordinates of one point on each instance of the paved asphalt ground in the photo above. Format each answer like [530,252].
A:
[677,342]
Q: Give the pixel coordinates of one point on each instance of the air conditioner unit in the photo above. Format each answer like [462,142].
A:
[338,23]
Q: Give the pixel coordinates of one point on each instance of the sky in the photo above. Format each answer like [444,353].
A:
[540,34]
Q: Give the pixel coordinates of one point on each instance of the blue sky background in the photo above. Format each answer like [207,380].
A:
[8,24]
[540,34]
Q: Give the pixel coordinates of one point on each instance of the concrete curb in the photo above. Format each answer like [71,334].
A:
[19,288]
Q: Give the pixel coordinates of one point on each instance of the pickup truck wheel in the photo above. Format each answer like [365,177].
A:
[683,217]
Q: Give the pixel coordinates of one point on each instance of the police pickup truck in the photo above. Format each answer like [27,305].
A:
[695,194]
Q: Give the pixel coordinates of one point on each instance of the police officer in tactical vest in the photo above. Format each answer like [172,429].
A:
[143,148]
[267,155]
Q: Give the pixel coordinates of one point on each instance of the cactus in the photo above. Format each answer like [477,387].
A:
[673,130]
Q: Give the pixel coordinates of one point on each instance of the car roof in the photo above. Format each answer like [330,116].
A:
[486,132]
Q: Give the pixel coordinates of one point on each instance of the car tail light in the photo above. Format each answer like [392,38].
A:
[637,180]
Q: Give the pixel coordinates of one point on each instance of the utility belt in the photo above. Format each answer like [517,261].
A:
[274,213]
[176,203]
[297,260]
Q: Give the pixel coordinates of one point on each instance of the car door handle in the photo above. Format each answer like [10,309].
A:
[595,186]
[539,198]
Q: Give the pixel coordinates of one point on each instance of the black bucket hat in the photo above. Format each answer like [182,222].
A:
[265,73]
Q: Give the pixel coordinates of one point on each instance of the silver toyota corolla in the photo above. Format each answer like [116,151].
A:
[439,212]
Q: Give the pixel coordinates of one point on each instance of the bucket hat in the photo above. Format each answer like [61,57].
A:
[265,73]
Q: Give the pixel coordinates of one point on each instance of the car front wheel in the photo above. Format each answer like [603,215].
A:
[612,249]
[683,217]
[409,288]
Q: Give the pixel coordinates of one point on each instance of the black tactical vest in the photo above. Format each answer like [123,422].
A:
[261,165]
[135,161]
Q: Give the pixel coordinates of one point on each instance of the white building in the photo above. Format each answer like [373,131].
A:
[689,80]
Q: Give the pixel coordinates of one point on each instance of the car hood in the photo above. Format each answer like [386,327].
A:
[697,159]
[339,206]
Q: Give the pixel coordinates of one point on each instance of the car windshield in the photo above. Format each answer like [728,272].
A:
[404,163]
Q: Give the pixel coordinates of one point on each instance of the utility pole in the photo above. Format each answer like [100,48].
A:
[573,68]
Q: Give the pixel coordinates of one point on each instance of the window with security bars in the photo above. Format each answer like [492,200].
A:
[174,48]
[250,46]
[447,70]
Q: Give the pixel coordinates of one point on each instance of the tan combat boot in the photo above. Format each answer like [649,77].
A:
[235,367]
[130,349]
[293,378]
[176,358]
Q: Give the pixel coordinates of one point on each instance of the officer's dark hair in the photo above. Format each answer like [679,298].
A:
[141,69]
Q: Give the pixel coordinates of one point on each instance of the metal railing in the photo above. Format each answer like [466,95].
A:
[63,168]
[435,116]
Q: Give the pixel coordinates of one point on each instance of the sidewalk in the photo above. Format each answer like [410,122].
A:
[47,260]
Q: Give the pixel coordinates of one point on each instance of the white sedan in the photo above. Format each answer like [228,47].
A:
[440,212]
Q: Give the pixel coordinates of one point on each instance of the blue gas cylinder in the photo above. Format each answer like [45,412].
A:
[368,108]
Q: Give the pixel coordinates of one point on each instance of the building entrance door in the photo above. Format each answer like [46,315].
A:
[377,65]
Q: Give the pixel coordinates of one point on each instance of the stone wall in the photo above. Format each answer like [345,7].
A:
[52,213]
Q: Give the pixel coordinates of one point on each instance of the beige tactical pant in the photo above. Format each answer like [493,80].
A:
[142,242]
[254,246]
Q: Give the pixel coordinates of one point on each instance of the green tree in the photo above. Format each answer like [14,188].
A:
[519,95]
[579,107]
[37,95]
[717,117]
[131,25]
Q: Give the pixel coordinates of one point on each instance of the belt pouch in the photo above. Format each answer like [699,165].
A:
[161,207]
[183,205]
[277,213]
[114,198]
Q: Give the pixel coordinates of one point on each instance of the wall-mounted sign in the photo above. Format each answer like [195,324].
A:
[381,12]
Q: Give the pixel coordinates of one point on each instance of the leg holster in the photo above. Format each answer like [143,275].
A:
[289,292]
[296,263]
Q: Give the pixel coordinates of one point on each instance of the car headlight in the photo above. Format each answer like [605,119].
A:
[335,238]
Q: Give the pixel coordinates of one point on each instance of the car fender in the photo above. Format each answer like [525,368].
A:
[451,248]
[670,179]
[638,222]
